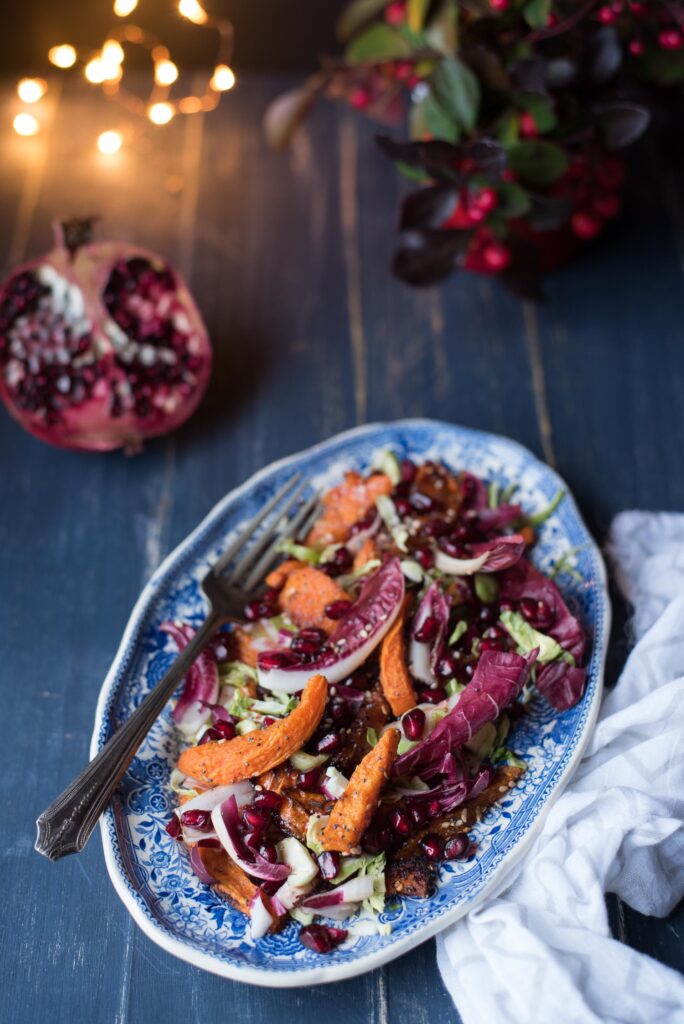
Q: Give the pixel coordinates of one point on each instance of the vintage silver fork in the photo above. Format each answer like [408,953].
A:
[67,824]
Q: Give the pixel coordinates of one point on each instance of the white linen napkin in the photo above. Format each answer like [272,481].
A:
[541,950]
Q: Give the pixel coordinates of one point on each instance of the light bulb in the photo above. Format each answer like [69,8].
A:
[160,113]
[112,52]
[223,78]
[165,72]
[193,11]
[123,8]
[109,142]
[96,71]
[63,56]
[30,90]
[26,124]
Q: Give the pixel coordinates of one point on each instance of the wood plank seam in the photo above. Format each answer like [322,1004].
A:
[541,404]
[349,221]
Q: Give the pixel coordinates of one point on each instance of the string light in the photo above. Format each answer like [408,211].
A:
[63,56]
[30,90]
[223,78]
[112,52]
[95,71]
[109,142]
[165,72]
[161,113]
[26,124]
[193,11]
[122,8]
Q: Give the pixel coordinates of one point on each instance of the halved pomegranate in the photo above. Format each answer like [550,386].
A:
[101,344]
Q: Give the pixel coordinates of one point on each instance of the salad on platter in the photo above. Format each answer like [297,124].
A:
[340,745]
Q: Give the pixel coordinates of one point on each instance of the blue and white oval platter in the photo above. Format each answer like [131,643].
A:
[151,872]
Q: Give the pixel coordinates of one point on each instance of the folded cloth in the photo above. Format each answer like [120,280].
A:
[541,950]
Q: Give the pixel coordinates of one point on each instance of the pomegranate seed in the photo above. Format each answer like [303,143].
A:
[329,864]
[413,723]
[417,815]
[456,847]
[209,736]
[453,548]
[269,853]
[266,721]
[321,938]
[341,561]
[329,743]
[225,729]
[493,645]
[506,606]
[371,841]
[400,822]
[528,608]
[408,471]
[432,696]
[268,799]
[403,507]
[271,596]
[221,646]
[173,827]
[488,613]
[499,5]
[313,634]
[337,609]
[433,809]
[427,631]
[200,820]
[259,609]
[300,645]
[274,660]
[432,847]
[462,532]
[256,817]
[424,557]
[341,713]
[494,633]
[253,838]
[435,527]
[309,780]
[364,524]
[447,666]
[423,502]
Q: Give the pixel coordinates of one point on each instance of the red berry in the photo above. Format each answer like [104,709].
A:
[637,8]
[395,13]
[607,15]
[552,20]
[671,39]
[499,5]
[610,174]
[636,47]
[508,175]
[359,98]
[476,214]
[617,6]
[528,125]
[497,256]
[607,206]
[403,70]
[584,225]
[486,200]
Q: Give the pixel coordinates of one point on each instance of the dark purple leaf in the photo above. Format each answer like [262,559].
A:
[621,124]
[428,207]
[529,74]
[603,55]
[523,580]
[426,257]
[562,684]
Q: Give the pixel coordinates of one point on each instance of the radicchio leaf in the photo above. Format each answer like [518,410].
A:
[498,679]
[562,684]
[424,655]
[450,795]
[523,580]
[487,556]
[498,518]
[201,682]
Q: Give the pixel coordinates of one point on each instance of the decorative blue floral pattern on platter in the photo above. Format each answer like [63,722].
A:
[151,872]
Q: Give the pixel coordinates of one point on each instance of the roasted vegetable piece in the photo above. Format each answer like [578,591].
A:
[394,674]
[306,594]
[232,883]
[345,505]
[352,813]
[222,763]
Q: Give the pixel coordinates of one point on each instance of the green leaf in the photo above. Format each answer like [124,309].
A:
[300,551]
[537,162]
[486,587]
[460,628]
[540,517]
[412,173]
[429,119]
[504,755]
[540,108]
[442,30]
[355,15]
[508,129]
[416,10]
[513,202]
[536,13]
[377,43]
[458,91]
[527,637]
[371,737]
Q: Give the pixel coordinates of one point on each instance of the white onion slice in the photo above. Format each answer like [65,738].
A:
[259,918]
[207,801]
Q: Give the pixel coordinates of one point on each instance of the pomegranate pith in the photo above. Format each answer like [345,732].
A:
[101,345]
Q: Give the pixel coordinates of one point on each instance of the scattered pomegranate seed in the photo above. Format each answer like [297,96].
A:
[267,720]
[309,780]
[268,799]
[506,606]
[435,695]
[225,729]
[322,938]
[476,214]
[498,644]
[417,815]
[200,820]
[364,524]
[447,666]
[269,853]
[433,809]
[403,507]
[259,609]
[423,502]
[173,827]
[432,847]
[341,713]
[424,557]
[302,645]
[329,743]
[453,548]
[341,561]
[456,848]
[435,527]
[413,723]
[209,736]
[528,126]
[337,609]
[253,838]
[329,864]
[256,817]
[400,822]
[408,471]
[274,659]
[427,631]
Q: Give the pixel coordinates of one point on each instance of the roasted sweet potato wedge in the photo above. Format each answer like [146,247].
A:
[395,678]
[233,884]
[352,813]
[305,595]
[345,505]
[222,763]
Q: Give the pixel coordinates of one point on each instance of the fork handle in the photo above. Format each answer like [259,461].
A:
[68,822]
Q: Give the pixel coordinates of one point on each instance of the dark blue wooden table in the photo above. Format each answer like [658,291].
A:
[287,256]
